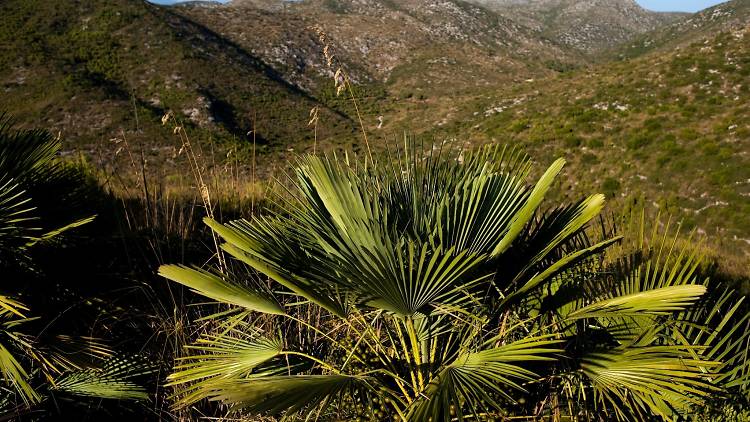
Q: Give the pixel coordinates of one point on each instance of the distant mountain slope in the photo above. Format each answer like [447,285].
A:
[96,70]
[672,125]
[705,24]
[435,46]
[101,69]
[590,26]
[672,128]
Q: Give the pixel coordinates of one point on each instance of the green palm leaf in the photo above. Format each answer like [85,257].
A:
[476,380]
[651,302]
[10,308]
[37,192]
[211,286]
[216,357]
[718,324]
[279,394]
[261,246]
[15,209]
[480,211]
[525,214]
[115,379]
[565,226]
[15,375]
[25,154]
[661,380]
[565,263]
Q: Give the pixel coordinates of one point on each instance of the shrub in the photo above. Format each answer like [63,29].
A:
[39,197]
[610,186]
[437,288]
[572,141]
[638,140]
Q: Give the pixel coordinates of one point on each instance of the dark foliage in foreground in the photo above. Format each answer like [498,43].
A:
[41,200]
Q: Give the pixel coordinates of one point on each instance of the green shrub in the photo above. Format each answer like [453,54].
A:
[638,140]
[432,289]
[610,187]
[572,141]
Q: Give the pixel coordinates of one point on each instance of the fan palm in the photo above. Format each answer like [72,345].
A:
[38,193]
[434,287]
[38,200]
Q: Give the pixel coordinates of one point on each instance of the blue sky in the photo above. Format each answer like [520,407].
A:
[660,5]
[677,5]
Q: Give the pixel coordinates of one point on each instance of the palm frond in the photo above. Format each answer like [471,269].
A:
[658,380]
[38,194]
[16,214]
[16,376]
[537,248]
[525,214]
[25,152]
[57,231]
[261,246]
[479,212]
[651,302]
[11,308]
[719,325]
[214,358]
[477,380]
[214,287]
[115,379]
[281,394]
[565,263]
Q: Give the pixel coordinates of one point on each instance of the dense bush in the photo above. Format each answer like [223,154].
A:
[41,198]
[436,287]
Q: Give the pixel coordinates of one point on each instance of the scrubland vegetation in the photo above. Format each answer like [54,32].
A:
[429,282]
[211,236]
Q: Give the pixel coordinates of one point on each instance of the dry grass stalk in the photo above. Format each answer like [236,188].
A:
[341,82]
[205,194]
[314,118]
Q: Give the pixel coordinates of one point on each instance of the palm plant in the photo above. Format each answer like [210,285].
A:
[433,286]
[39,195]
[39,200]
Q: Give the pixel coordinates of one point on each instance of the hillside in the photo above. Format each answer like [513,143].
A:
[589,26]
[491,42]
[700,26]
[437,47]
[96,71]
[668,122]
[671,128]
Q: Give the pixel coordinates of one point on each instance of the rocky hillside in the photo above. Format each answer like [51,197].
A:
[590,26]
[98,71]
[671,128]
[102,72]
[729,16]
[437,46]
[666,120]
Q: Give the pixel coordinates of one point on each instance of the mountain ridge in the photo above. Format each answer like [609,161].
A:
[426,29]
[725,16]
[590,26]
